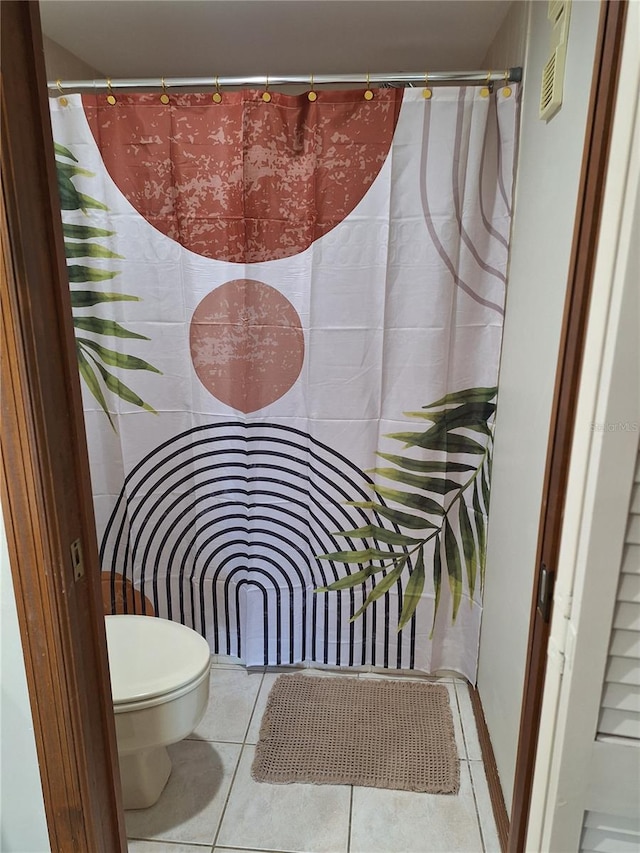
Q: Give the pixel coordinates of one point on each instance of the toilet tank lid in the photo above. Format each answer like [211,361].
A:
[149,656]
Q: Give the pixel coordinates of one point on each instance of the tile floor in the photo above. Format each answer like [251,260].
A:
[212,805]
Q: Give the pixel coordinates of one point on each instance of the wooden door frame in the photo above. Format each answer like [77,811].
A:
[593,175]
[46,490]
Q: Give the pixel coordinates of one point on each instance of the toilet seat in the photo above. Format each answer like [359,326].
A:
[160,699]
[153,660]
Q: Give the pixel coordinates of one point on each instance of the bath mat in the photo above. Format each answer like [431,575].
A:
[351,731]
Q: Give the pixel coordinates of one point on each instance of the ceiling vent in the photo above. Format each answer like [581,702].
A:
[553,71]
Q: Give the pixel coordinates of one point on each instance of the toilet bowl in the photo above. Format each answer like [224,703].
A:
[160,688]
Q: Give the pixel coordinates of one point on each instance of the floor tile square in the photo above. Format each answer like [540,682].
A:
[253,734]
[232,695]
[485,809]
[226,660]
[386,821]
[321,672]
[474,753]
[413,674]
[290,818]
[190,807]
[457,723]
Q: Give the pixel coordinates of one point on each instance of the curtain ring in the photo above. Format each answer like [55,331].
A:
[368,94]
[312,95]
[427,91]
[164,98]
[266,95]
[506,89]
[62,100]
[486,91]
[111,98]
[216,97]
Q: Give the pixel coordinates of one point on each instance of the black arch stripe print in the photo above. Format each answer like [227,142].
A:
[227,519]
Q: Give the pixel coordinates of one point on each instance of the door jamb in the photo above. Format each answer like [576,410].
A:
[46,490]
[574,326]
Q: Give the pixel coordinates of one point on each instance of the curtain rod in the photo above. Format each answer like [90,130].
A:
[474,78]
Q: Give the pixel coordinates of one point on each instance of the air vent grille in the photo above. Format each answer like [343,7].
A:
[548,79]
[553,72]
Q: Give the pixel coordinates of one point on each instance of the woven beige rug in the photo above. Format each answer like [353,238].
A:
[351,731]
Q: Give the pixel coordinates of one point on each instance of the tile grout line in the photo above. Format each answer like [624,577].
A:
[252,849]
[475,802]
[466,749]
[464,737]
[350,819]
[226,801]
[253,710]
[195,844]
[235,772]
[468,763]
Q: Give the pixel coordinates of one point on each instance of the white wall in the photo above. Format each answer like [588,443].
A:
[546,192]
[509,47]
[61,64]
[23,828]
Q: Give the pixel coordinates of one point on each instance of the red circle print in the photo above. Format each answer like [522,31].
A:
[247,344]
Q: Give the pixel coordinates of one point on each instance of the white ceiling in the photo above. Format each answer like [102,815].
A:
[175,38]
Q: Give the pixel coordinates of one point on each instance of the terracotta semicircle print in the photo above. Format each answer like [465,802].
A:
[264,184]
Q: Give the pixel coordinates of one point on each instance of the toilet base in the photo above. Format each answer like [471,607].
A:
[143,775]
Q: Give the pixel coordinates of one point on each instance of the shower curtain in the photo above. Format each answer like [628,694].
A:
[288,318]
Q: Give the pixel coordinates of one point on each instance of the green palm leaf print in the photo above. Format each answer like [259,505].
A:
[80,244]
[447,513]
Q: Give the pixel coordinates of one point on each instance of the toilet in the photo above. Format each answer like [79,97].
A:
[160,688]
